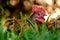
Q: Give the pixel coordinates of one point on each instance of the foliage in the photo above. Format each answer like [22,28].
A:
[30,32]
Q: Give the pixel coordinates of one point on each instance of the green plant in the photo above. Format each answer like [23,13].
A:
[29,32]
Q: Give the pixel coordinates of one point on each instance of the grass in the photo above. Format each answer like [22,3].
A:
[30,32]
